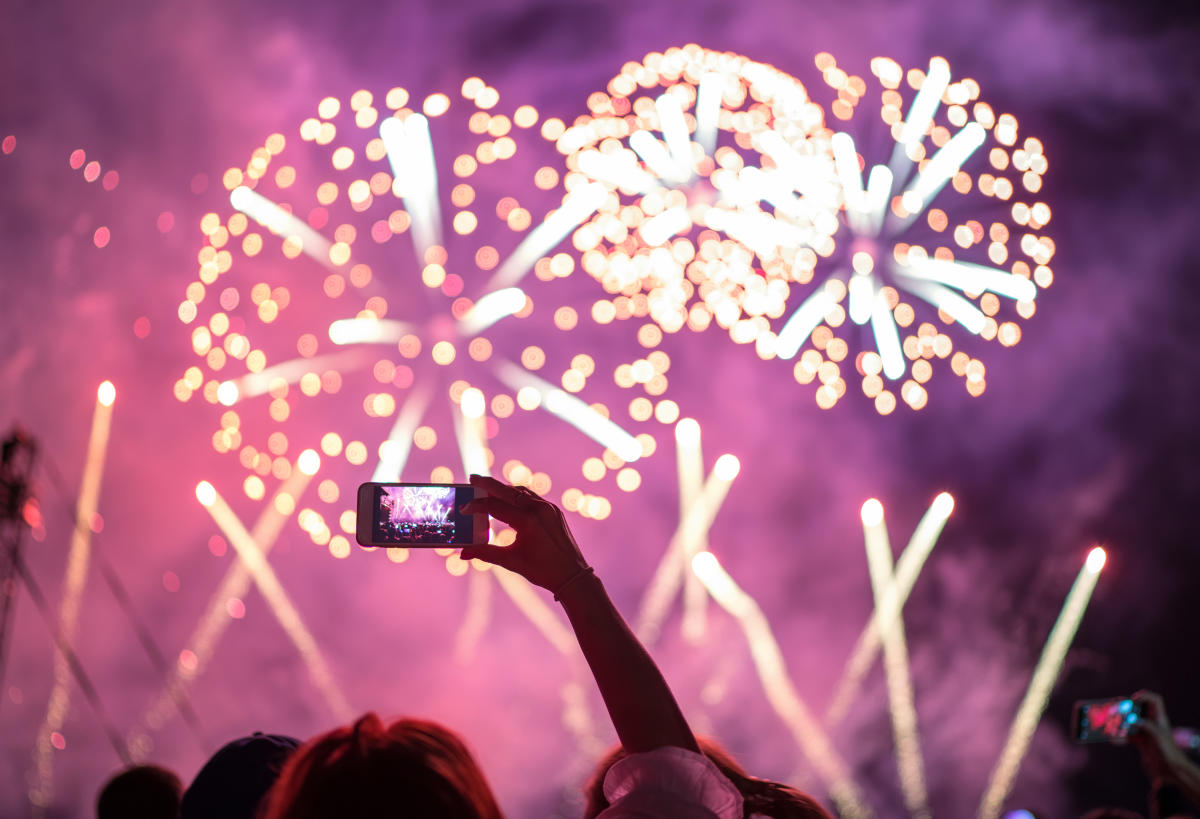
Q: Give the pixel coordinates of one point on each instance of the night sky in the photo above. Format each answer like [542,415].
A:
[1085,434]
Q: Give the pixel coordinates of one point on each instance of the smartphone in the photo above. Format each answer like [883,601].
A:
[418,515]
[1110,720]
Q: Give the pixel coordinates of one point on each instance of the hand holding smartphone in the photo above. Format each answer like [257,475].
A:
[1108,720]
[415,515]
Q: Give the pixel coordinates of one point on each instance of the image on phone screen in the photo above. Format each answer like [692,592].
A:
[420,515]
[1107,720]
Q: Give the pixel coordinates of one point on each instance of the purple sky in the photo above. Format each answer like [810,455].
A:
[1086,432]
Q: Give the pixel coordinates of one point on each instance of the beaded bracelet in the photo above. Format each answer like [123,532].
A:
[586,570]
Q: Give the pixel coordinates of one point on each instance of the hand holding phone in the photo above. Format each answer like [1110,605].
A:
[1108,720]
[415,515]
[544,552]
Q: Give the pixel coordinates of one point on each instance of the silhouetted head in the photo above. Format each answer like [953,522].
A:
[232,784]
[140,792]
[760,797]
[411,767]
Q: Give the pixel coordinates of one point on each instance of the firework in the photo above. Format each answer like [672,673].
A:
[941,231]
[725,189]
[382,292]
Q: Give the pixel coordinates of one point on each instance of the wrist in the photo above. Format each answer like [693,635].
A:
[576,579]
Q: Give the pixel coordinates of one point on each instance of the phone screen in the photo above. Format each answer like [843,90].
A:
[421,515]
[1106,720]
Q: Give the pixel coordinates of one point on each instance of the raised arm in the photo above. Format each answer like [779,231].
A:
[641,705]
[1165,762]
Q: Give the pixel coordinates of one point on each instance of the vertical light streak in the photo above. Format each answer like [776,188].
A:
[577,206]
[954,305]
[211,627]
[920,114]
[1029,713]
[675,132]
[845,159]
[879,192]
[780,690]
[273,592]
[469,430]
[887,337]
[281,223]
[492,308]
[410,152]
[708,111]
[567,407]
[862,297]
[908,567]
[692,530]
[78,558]
[895,663]
[394,452]
[800,325]
[690,466]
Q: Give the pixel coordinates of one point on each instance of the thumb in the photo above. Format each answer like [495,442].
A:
[488,553]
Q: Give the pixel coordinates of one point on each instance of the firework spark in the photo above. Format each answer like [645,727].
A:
[723,189]
[948,226]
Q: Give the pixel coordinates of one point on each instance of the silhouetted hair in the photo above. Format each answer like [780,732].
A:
[760,797]
[140,792]
[233,782]
[366,770]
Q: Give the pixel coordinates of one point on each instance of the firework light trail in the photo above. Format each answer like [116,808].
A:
[895,662]
[49,736]
[1029,713]
[224,604]
[273,592]
[694,522]
[781,692]
[951,220]
[908,567]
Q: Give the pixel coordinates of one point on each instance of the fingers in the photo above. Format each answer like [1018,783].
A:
[1152,706]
